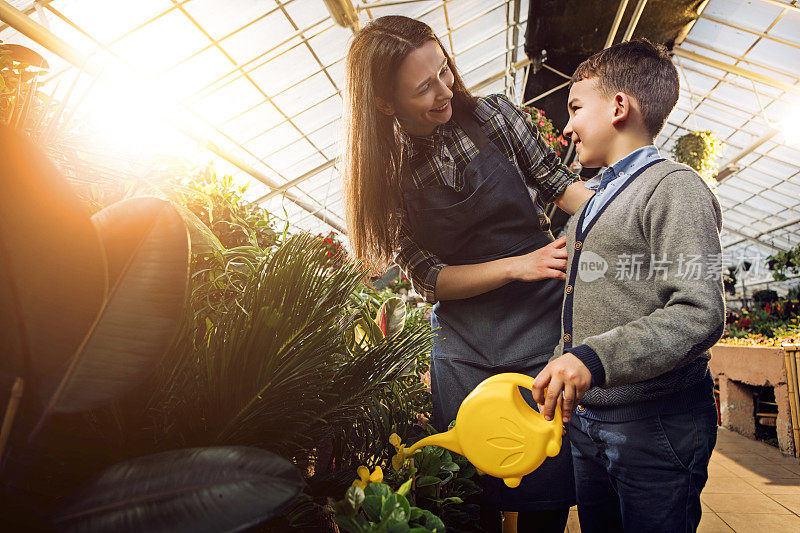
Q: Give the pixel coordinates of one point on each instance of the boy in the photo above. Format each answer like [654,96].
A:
[643,304]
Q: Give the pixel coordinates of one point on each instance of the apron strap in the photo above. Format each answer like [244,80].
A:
[473,130]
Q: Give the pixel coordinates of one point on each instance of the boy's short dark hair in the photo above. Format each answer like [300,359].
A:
[641,69]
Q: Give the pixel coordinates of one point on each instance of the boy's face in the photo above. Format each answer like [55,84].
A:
[590,123]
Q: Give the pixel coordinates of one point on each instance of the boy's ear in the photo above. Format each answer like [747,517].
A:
[383,106]
[621,107]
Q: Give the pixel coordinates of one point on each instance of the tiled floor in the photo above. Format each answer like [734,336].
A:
[751,487]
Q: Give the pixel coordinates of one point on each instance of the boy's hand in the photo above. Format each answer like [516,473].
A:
[568,374]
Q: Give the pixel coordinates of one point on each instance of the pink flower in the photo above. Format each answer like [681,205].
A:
[542,123]
[426,379]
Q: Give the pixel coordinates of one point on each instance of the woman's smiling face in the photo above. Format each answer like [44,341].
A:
[422,90]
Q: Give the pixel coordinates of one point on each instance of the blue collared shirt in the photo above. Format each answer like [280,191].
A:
[614,177]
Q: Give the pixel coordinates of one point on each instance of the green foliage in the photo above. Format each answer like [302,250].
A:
[729,280]
[219,203]
[19,68]
[272,370]
[379,509]
[96,306]
[699,150]
[443,482]
[770,320]
[785,263]
[210,489]
[435,481]
[230,237]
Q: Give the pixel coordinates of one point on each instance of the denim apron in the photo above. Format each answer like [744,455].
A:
[514,328]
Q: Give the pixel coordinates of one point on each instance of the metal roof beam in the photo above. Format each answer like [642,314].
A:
[615,24]
[730,163]
[777,227]
[637,13]
[751,239]
[751,31]
[793,6]
[739,71]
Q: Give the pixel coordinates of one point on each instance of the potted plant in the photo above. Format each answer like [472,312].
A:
[549,133]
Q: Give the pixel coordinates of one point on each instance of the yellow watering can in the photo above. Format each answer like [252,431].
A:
[498,432]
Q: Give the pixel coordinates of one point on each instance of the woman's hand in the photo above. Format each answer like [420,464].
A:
[465,281]
[547,262]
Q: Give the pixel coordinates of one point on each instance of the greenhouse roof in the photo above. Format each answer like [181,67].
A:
[260,82]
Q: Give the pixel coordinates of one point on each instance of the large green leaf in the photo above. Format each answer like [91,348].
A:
[52,267]
[147,247]
[193,490]
[391,317]
[202,238]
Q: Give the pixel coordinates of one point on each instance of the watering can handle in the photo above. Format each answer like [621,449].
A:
[521,380]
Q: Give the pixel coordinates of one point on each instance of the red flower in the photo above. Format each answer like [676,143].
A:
[327,254]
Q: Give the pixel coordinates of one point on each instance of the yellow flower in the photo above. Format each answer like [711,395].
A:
[376,476]
[399,460]
[365,478]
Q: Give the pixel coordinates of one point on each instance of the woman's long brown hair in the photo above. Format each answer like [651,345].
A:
[372,139]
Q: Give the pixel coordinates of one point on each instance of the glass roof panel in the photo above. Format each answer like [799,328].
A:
[319,115]
[778,55]
[331,44]
[231,100]
[286,70]
[199,71]
[722,38]
[105,20]
[744,12]
[145,48]
[304,94]
[258,37]
[221,22]
[305,13]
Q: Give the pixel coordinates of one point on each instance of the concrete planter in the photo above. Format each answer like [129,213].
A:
[739,366]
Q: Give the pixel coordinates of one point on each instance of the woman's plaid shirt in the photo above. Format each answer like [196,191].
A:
[440,159]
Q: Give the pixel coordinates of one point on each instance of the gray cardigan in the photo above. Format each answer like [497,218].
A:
[644,299]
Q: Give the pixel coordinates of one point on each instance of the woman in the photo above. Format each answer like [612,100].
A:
[452,188]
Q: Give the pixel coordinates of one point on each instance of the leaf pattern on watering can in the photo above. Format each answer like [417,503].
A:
[511,427]
[511,460]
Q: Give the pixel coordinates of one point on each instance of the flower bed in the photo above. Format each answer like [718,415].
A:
[768,324]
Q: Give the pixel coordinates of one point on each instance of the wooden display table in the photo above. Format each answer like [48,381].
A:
[738,367]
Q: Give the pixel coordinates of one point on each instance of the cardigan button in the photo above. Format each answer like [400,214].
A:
[569,289]
[578,245]
[581,409]
[567,337]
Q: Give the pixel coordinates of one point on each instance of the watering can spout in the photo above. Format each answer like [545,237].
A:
[447,440]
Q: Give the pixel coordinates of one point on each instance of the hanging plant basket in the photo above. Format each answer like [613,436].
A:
[785,264]
[700,150]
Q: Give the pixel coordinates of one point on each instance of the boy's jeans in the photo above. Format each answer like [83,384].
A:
[642,475]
